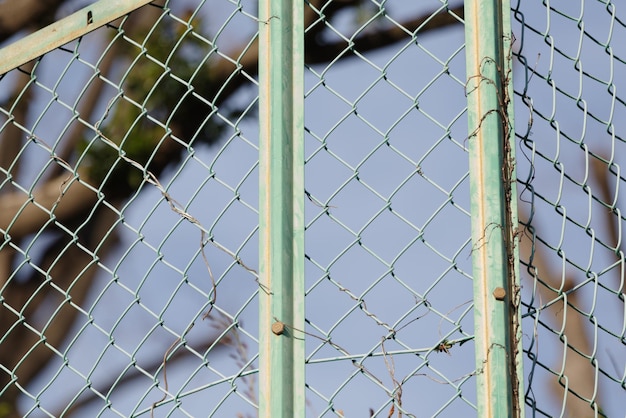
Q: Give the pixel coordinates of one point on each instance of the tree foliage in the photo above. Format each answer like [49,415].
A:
[158,99]
[174,86]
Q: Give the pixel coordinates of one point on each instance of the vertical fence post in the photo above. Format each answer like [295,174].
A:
[281,205]
[494,208]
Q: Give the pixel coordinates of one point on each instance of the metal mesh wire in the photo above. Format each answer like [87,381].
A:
[131,234]
[163,256]
[569,64]
[388,235]
[128,207]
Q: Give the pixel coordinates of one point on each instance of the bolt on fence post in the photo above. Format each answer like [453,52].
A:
[281,207]
[491,140]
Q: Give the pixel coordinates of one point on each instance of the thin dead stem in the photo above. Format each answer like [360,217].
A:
[164,366]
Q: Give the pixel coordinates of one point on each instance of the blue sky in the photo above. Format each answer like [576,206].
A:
[388,225]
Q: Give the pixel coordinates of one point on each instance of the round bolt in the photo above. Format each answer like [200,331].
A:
[499,293]
[278,328]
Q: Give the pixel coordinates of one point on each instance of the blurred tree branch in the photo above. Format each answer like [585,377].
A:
[562,300]
[62,201]
[17,15]
[318,51]
[562,313]
[226,78]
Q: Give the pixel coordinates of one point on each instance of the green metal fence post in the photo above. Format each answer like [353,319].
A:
[494,208]
[281,223]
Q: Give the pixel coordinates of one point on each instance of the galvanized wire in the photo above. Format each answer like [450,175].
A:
[569,66]
[164,253]
[149,283]
[387,312]
[389,306]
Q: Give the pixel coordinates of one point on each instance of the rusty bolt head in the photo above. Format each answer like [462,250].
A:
[278,328]
[499,293]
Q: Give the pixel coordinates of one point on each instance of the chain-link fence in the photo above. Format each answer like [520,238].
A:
[389,295]
[130,218]
[569,66]
[131,279]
